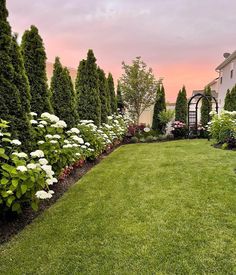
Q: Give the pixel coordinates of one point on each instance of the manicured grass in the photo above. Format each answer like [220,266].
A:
[164,208]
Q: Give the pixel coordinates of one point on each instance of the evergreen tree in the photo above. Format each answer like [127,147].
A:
[181,106]
[206,107]
[22,84]
[63,97]
[34,57]
[109,112]
[119,98]
[227,105]
[160,105]
[9,94]
[103,94]
[89,103]
[80,84]
[111,90]
[233,99]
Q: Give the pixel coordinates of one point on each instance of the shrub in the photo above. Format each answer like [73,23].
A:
[149,139]
[134,140]
[180,129]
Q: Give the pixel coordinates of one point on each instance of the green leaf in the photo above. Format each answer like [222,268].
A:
[15,182]
[34,206]
[10,200]
[18,194]
[16,207]
[6,140]
[23,188]
[4,181]
[10,169]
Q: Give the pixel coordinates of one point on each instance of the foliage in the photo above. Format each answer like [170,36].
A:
[206,106]
[89,104]
[103,94]
[138,85]
[34,57]
[233,98]
[227,105]
[180,129]
[119,99]
[160,106]
[112,95]
[22,175]
[9,94]
[222,127]
[181,106]
[63,96]
[134,140]
[21,81]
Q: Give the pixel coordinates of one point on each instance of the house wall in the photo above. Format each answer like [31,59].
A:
[227,82]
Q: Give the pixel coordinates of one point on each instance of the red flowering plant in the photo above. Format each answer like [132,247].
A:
[179,129]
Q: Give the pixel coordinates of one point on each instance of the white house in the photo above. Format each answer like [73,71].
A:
[227,77]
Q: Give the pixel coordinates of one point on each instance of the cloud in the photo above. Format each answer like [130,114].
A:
[167,34]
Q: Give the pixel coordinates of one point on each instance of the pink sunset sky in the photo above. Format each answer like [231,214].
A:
[182,40]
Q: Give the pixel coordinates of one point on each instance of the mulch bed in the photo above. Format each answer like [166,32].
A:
[12,224]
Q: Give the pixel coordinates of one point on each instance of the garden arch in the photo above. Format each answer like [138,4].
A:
[193,111]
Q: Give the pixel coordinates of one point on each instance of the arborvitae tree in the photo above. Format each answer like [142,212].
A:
[63,97]
[227,105]
[206,107]
[111,90]
[103,94]
[9,94]
[119,99]
[109,112]
[181,106]
[89,103]
[22,84]
[80,83]
[34,57]
[160,105]
[233,99]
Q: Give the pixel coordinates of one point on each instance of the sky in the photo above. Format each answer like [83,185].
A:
[183,41]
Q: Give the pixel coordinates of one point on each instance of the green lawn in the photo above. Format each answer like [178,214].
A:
[163,208]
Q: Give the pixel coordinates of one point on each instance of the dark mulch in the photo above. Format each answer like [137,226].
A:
[12,224]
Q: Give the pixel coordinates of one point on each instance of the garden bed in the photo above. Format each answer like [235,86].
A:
[13,223]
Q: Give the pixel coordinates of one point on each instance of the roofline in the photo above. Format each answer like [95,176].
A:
[213,81]
[227,61]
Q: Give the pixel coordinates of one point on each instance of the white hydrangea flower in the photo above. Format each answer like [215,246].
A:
[37,153]
[15,142]
[21,168]
[49,136]
[33,114]
[31,166]
[67,146]
[78,154]
[40,126]
[41,142]
[75,130]
[57,136]
[32,121]
[75,145]
[59,124]
[22,155]
[80,140]
[43,161]
[43,122]
[66,141]
[52,118]
[48,170]
[109,117]
[51,192]
[87,144]
[84,147]
[43,195]
[51,181]
[53,141]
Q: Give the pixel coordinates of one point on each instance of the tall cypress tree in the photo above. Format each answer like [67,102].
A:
[63,97]
[111,90]
[34,57]
[227,105]
[181,106]
[206,106]
[109,112]
[233,99]
[22,84]
[119,99]
[160,105]
[9,94]
[103,94]
[80,84]
[89,103]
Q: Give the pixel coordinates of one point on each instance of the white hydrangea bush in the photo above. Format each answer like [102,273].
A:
[22,174]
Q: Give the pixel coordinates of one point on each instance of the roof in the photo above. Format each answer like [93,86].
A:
[227,61]
[212,82]
[213,93]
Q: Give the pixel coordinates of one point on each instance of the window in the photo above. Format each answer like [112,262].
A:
[221,80]
[231,73]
